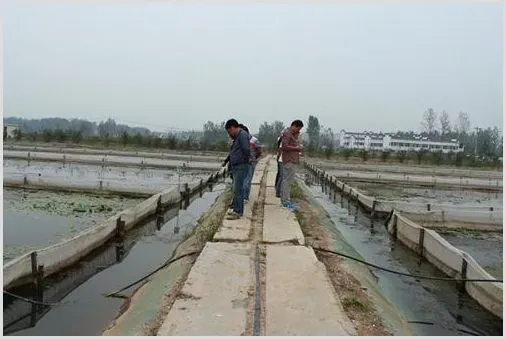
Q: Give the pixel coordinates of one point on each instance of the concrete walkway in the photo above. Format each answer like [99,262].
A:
[296,297]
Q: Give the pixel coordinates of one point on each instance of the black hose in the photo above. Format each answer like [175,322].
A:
[167,263]
[31,301]
[113,294]
[402,273]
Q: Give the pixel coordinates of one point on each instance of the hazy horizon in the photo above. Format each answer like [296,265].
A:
[355,67]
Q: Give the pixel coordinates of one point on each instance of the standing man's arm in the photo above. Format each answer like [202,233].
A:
[243,141]
[225,162]
[285,143]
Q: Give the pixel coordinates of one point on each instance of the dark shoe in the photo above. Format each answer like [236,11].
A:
[233,216]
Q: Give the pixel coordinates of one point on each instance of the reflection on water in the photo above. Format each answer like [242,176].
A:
[437,303]
[80,288]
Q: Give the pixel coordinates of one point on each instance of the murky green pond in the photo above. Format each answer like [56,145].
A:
[36,219]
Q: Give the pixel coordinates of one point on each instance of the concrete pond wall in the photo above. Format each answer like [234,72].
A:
[61,255]
[203,156]
[458,213]
[112,160]
[410,169]
[450,260]
[428,243]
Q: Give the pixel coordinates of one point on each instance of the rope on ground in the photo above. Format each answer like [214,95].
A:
[167,263]
[402,273]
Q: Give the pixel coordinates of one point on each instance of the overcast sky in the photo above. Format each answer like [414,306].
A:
[357,67]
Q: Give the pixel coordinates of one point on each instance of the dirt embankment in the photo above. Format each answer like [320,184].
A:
[357,303]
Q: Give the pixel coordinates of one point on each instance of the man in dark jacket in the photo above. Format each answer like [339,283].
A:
[239,158]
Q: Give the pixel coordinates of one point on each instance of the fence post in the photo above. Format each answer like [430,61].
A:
[394,227]
[463,276]
[40,285]
[373,210]
[28,158]
[201,188]
[420,242]
[120,228]
[428,207]
[159,205]
[25,180]
[33,314]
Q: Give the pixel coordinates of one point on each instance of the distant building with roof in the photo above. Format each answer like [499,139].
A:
[394,143]
[10,130]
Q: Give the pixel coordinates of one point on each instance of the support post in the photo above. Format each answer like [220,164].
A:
[33,314]
[420,242]
[186,196]
[463,276]
[373,210]
[394,227]
[159,205]
[428,207]
[40,285]
[120,228]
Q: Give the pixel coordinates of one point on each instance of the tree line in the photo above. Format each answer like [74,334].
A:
[482,146]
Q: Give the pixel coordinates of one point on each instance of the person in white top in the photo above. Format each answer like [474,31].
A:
[279,174]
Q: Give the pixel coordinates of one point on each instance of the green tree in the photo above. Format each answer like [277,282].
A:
[76,137]
[401,156]
[18,135]
[437,157]
[347,153]
[429,121]
[419,156]
[313,131]
[364,155]
[384,156]
[444,121]
[125,138]
[47,135]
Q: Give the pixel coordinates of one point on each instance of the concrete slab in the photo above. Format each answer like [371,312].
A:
[299,297]
[234,230]
[280,225]
[271,178]
[214,298]
[270,197]
[257,178]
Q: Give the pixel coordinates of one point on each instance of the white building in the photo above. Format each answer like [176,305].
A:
[10,130]
[386,142]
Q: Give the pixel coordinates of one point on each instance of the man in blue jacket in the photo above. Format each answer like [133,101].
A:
[239,157]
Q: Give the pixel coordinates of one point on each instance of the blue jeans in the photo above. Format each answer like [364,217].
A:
[239,172]
[279,179]
[247,182]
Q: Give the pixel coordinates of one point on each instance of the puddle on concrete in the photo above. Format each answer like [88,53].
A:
[429,195]
[36,219]
[88,312]
[438,303]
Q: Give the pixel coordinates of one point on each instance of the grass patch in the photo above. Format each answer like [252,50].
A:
[295,192]
[354,304]
[205,231]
